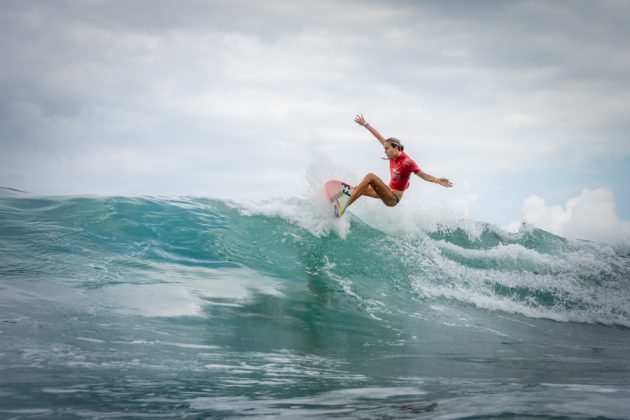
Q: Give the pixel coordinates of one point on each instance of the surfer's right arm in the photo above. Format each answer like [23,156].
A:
[361,121]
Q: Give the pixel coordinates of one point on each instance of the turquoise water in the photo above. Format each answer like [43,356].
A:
[121,307]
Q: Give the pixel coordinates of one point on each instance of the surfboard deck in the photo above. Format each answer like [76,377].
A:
[338,193]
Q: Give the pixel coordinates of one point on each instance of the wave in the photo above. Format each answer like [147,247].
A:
[376,260]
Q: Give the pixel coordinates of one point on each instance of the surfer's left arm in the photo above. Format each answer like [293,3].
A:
[430,178]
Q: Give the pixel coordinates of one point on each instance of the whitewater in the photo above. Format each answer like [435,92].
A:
[191,307]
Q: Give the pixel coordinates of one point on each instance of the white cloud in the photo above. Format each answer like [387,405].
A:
[591,215]
[179,89]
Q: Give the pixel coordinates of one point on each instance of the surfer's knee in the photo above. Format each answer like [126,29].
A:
[369,178]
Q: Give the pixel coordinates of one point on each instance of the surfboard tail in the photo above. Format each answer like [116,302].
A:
[338,193]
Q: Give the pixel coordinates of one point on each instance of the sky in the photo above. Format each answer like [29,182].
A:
[524,105]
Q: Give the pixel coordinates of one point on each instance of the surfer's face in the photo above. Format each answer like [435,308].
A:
[390,151]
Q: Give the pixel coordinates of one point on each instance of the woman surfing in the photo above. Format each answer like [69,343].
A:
[401,166]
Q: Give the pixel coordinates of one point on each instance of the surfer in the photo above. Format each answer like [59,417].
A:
[401,167]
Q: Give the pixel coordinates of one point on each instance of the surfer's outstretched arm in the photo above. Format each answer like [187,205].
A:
[430,178]
[361,121]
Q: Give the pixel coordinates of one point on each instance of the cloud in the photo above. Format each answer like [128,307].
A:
[591,215]
[482,89]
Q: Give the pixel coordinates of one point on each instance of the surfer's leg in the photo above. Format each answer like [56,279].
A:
[370,192]
[373,186]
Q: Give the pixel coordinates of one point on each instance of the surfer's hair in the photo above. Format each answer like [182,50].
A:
[395,143]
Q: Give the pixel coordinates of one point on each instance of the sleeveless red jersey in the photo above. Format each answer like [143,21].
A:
[401,169]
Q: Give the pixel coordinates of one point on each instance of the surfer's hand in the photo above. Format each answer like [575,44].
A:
[360,120]
[444,182]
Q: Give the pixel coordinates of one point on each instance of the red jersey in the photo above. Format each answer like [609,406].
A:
[400,169]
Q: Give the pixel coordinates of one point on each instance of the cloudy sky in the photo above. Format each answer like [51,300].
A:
[525,105]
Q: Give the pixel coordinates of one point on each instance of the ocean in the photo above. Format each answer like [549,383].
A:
[190,307]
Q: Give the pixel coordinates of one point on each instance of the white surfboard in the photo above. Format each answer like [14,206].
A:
[338,193]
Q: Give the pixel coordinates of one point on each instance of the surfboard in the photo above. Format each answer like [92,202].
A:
[338,192]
